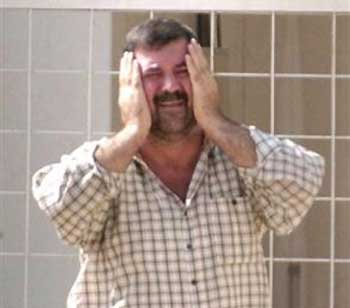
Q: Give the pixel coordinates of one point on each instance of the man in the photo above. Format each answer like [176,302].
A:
[170,211]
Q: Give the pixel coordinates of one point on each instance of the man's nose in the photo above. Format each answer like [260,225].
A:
[171,83]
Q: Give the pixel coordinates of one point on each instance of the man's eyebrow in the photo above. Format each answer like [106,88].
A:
[153,68]
[183,63]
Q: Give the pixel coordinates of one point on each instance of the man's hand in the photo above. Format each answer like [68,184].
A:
[132,101]
[204,85]
[116,153]
[230,136]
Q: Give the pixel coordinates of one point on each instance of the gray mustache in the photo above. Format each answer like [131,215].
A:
[170,96]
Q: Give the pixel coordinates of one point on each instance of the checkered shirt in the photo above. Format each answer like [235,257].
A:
[142,247]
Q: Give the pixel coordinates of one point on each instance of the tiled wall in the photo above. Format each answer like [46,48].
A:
[288,74]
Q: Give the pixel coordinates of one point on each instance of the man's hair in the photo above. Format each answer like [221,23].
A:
[156,33]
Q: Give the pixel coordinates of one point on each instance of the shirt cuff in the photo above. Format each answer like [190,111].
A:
[265,144]
[111,179]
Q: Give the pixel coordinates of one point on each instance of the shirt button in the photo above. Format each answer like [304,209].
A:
[189,246]
[194,282]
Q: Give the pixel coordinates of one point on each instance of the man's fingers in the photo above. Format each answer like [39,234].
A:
[198,56]
[191,67]
[135,75]
[121,67]
[125,70]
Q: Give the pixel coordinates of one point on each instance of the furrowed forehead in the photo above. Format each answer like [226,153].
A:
[171,55]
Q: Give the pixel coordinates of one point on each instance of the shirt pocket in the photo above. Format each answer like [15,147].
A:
[232,230]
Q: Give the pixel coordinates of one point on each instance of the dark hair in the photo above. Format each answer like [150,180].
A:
[156,33]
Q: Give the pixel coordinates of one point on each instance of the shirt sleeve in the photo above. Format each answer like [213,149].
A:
[284,182]
[76,194]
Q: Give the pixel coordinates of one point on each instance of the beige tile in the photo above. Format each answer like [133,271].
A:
[303,44]
[243,43]
[303,106]
[342,230]
[301,285]
[342,170]
[343,44]
[246,100]
[311,239]
[341,285]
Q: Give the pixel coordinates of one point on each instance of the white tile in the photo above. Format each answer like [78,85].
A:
[12,223]
[59,101]
[50,279]
[105,108]
[60,39]
[13,97]
[13,38]
[13,161]
[12,282]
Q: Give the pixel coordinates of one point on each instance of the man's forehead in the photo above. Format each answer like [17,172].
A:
[171,54]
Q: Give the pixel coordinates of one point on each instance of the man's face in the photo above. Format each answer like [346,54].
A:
[168,89]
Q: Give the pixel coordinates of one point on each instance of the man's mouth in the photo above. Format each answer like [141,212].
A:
[171,99]
[172,103]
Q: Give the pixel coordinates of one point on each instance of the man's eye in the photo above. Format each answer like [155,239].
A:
[152,75]
[182,72]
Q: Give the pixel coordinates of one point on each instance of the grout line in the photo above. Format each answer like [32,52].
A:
[28,158]
[12,254]
[333,127]
[227,74]
[301,75]
[272,131]
[12,192]
[53,255]
[306,260]
[212,40]
[13,70]
[218,74]
[340,260]
[49,255]
[13,131]
[89,75]
[106,72]
[342,199]
[63,132]
[58,71]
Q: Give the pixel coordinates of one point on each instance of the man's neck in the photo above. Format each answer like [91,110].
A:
[180,153]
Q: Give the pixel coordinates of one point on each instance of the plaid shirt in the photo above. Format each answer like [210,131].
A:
[142,247]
